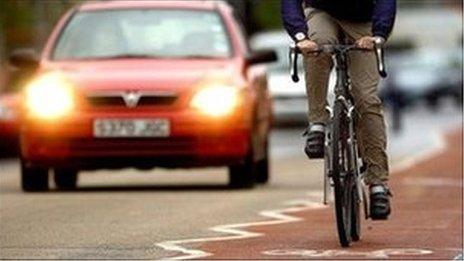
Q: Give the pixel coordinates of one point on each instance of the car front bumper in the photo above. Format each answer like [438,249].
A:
[194,140]
[9,136]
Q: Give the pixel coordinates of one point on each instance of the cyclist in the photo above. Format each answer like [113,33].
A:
[311,23]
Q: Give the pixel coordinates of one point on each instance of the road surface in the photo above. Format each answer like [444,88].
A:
[166,214]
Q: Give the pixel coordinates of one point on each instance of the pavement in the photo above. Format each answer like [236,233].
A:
[163,214]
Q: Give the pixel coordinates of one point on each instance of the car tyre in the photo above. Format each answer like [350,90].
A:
[432,102]
[65,179]
[458,99]
[33,178]
[262,168]
[243,175]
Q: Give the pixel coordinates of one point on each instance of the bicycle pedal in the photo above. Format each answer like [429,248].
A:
[331,183]
[329,174]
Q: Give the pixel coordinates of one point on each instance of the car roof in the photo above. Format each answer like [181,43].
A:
[142,4]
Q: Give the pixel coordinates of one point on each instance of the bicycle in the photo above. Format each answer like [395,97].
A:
[343,170]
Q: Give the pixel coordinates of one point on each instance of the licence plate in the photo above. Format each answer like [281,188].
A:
[131,128]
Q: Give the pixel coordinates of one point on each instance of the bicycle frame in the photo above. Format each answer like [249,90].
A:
[343,95]
[342,158]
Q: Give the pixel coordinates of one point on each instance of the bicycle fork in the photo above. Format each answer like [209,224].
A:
[356,168]
[354,154]
[327,160]
[353,151]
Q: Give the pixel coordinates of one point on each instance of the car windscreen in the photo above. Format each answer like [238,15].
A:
[151,33]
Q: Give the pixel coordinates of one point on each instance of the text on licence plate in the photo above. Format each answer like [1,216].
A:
[124,128]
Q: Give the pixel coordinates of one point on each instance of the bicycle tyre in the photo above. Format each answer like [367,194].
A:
[355,217]
[342,209]
[353,185]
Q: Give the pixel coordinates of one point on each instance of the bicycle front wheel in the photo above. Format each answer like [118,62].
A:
[343,180]
[355,216]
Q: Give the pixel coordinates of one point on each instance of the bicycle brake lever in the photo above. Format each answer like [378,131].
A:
[293,53]
[379,54]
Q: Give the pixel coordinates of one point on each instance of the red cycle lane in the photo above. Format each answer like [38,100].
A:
[426,222]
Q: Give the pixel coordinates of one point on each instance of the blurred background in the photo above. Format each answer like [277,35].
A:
[126,213]
[424,54]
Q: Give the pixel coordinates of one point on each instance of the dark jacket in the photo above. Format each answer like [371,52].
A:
[380,12]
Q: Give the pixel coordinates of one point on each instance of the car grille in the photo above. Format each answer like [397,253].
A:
[118,100]
[118,146]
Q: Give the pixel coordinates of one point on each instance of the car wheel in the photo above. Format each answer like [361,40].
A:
[33,178]
[243,175]
[432,103]
[262,168]
[458,100]
[65,179]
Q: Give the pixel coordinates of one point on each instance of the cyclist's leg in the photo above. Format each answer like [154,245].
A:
[323,30]
[371,126]
[365,78]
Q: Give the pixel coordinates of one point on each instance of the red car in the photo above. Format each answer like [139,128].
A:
[145,84]
[9,123]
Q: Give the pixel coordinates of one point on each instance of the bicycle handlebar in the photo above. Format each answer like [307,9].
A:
[378,49]
[379,54]
[293,58]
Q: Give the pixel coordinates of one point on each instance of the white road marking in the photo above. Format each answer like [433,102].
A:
[439,145]
[298,205]
[383,253]
[235,231]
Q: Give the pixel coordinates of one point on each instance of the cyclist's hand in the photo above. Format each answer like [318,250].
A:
[366,42]
[307,46]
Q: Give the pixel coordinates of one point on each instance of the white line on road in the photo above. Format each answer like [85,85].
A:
[235,231]
[375,254]
[279,215]
[459,257]
[439,145]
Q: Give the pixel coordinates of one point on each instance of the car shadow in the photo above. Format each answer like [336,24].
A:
[147,188]
[8,154]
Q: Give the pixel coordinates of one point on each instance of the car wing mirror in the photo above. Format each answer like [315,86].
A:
[26,58]
[262,56]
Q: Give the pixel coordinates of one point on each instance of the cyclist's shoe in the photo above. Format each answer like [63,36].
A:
[314,147]
[379,202]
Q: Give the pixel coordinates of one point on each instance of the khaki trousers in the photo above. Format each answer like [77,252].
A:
[362,68]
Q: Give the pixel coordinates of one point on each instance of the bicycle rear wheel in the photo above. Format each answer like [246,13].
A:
[343,180]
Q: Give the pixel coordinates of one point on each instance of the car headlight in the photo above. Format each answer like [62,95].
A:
[50,96]
[216,100]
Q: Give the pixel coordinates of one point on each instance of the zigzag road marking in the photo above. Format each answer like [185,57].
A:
[235,231]
[280,216]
